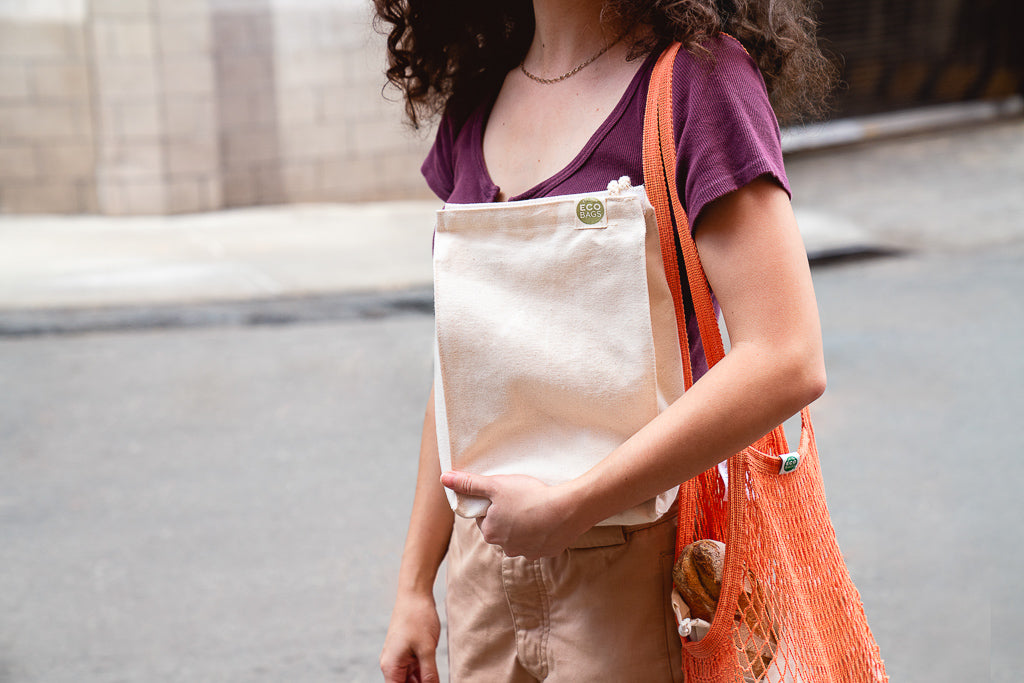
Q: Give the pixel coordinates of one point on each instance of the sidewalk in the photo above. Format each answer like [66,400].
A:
[281,252]
[254,253]
[943,189]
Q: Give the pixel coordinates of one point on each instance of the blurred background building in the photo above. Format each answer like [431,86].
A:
[897,54]
[167,106]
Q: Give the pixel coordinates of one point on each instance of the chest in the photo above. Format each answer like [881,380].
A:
[534,131]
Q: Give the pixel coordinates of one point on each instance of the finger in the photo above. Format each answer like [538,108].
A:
[395,673]
[428,668]
[467,484]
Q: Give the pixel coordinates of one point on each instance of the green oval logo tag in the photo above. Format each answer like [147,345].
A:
[590,210]
[790,463]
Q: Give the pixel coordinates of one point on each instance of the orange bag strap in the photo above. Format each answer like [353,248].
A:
[655,182]
[659,163]
[659,179]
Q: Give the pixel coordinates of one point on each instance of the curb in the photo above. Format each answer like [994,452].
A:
[268,312]
[278,311]
[851,131]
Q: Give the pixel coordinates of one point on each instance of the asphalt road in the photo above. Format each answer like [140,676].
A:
[228,502]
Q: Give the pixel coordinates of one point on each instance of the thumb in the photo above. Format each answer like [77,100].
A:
[467,484]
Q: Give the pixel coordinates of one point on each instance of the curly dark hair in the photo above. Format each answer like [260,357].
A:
[449,55]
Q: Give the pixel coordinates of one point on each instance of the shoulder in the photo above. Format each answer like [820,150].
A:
[724,71]
[726,131]
[438,168]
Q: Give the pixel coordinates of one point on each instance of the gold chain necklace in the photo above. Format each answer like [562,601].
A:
[573,72]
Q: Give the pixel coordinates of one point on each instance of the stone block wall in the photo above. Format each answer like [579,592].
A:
[47,156]
[167,106]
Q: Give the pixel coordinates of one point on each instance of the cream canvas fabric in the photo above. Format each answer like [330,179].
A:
[555,337]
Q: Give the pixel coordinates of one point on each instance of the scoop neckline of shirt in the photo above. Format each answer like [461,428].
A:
[484,114]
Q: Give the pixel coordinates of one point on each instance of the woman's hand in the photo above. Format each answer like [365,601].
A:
[526,517]
[411,643]
[409,648]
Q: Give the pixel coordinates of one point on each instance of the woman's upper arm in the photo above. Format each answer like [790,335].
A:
[756,264]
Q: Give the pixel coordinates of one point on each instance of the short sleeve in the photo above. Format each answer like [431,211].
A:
[438,168]
[728,133]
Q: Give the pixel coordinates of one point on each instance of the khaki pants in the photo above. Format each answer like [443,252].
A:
[600,611]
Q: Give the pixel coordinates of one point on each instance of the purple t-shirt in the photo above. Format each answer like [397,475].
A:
[726,133]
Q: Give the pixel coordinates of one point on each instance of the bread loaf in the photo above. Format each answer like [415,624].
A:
[698,579]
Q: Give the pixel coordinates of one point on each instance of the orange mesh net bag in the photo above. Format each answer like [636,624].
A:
[787,609]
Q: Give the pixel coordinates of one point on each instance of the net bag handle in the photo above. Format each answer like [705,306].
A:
[659,179]
[659,163]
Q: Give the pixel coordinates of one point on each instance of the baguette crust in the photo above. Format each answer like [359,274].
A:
[698,579]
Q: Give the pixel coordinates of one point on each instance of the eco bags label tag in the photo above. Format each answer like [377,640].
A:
[790,461]
[591,213]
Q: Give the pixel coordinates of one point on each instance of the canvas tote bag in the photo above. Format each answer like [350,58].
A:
[555,337]
[788,610]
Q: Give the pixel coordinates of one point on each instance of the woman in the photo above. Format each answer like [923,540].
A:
[546,99]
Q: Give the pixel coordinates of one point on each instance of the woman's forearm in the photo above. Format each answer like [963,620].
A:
[755,262]
[728,409]
[430,524]
[744,396]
